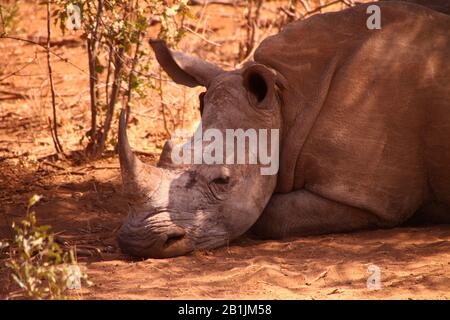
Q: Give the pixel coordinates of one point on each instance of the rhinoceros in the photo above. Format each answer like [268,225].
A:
[364,120]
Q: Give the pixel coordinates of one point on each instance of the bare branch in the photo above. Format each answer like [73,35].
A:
[53,130]
[202,37]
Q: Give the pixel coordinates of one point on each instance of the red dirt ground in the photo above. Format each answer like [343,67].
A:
[84,204]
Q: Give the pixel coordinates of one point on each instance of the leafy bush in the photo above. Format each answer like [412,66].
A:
[8,16]
[115,29]
[38,265]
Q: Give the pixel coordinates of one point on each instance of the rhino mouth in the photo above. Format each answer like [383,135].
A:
[169,242]
[148,242]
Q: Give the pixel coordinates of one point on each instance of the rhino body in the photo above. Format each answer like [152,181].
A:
[436,5]
[364,117]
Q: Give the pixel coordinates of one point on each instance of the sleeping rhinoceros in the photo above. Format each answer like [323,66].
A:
[364,120]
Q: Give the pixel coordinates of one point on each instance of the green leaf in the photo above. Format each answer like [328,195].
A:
[99,68]
[33,200]
[3,245]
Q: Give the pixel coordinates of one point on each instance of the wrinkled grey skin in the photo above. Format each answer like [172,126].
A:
[176,210]
[364,136]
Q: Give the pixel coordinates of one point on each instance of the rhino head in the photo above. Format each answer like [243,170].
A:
[175,209]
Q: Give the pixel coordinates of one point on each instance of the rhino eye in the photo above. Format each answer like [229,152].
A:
[201,98]
[221,180]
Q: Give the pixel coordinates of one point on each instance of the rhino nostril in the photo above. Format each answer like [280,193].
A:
[174,236]
[172,240]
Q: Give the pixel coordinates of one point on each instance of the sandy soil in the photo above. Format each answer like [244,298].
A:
[328,267]
[83,201]
[85,207]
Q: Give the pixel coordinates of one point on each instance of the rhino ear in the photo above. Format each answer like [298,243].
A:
[182,68]
[260,84]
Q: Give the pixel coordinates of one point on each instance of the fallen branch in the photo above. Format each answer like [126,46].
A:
[65,171]
[54,165]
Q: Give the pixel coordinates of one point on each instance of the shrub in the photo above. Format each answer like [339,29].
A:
[39,266]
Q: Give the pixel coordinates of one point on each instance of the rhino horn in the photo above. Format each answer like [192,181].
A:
[138,178]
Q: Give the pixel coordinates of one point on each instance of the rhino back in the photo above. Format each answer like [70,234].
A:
[437,5]
[366,113]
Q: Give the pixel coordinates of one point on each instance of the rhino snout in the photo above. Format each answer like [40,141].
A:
[168,242]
